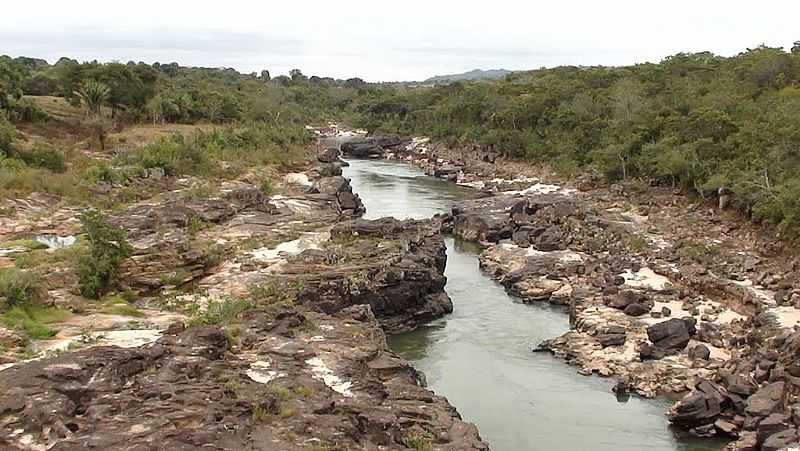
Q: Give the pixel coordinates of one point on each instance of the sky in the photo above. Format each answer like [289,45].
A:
[391,41]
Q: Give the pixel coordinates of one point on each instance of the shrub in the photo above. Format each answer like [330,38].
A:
[222,312]
[266,186]
[42,156]
[108,248]
[7,135]
[19,287]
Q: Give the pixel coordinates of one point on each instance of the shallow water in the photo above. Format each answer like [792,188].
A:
[480,356]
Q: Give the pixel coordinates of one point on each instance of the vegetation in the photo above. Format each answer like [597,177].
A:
[699,121]
[223,312]
[19,288]
[108,247]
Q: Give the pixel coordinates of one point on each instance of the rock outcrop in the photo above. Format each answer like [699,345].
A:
[291,379]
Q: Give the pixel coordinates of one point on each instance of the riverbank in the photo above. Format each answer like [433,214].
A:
[256,320]
[665,296]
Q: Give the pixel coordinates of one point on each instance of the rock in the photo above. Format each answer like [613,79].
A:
[625,298]
[607,339]
[726,427]
[706,430]
[9,338]
[699,352]
[329,155]
[691,325]
[700,407]
[781,440]
[772,424]
[766,400]
[747,442]
[649,352]
[669,335]
[636,309]
[666,312]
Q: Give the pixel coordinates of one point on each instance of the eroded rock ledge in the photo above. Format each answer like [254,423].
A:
[305,367]
[297,381]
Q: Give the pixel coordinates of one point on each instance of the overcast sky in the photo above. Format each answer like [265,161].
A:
[384,41]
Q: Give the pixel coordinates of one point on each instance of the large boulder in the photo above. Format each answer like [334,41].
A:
[786,439]
[701,406]
[671,334]
[766,400]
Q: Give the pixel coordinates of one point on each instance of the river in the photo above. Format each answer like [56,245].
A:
[480,356]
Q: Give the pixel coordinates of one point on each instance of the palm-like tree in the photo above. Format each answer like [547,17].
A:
[93,94]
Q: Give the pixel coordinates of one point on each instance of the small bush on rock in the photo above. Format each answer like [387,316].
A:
[108,248]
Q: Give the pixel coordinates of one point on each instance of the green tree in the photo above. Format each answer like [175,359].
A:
[108,248]
[93,95]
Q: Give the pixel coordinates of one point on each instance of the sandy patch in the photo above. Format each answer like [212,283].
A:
[645,278]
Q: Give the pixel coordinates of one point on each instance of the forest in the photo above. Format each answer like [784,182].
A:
[700,122]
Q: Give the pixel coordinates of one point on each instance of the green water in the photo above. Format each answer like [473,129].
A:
[480,356]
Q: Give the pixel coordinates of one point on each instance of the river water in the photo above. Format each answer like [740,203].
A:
[480,356]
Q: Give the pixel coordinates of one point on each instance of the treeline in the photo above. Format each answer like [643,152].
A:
[173,93]
[699,120]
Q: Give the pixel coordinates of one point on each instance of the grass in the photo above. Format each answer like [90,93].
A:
[30,245]
[33,321]
[272,294]
[124,310]
[195,226]
[259,415]
[419,441]
[221,312]
[176,278]
[48,258]
[303,391]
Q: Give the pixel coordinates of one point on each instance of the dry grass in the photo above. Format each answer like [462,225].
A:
[141,135]
[58,108]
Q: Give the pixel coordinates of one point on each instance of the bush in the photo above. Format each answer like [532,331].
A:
[108,248]
[222,312]
[19,287]
[41,156]
[7,135]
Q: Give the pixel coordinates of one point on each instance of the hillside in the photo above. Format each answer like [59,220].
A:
[476,74]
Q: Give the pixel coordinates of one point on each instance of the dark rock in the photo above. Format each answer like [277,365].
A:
[669,335]
[329,155]
[624,298]
[706,430]
[699,352]
[636,309]
[774,423]
[780,440]
[607,340]
[766,400]
[649,352]
[666,312]
[691,325]
[700,407]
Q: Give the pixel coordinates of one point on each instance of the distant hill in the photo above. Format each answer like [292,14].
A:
[476,74]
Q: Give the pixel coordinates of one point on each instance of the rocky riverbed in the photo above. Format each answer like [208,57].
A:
[667,295]
[261,325]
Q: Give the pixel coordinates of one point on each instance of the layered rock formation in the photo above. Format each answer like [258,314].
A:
[288,295]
